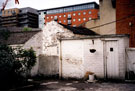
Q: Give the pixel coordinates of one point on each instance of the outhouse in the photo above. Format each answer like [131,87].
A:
[104,55]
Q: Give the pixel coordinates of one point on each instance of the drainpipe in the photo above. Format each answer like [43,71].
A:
[60,59]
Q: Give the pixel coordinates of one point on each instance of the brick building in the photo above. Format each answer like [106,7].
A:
[24,17]
[73,15]
[125,14]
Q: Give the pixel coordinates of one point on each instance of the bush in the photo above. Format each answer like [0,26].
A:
[5,33]
[27,29]
[15,64]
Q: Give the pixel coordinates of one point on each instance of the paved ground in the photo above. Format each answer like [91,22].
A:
[66,85]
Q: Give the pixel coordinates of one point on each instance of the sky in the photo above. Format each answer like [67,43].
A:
[43,4]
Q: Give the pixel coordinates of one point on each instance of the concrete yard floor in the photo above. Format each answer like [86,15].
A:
[72,85]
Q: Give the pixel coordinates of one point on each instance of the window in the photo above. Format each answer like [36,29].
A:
[54,11]
[79,19]
[74,14]
[69,15]
[74,25]
[79,13]
[39,13]
[60,16]
[74,20]
[44,12]
[47,17]
[59,21]
[8,12]
[89,18]
[69,22]
[55,18]
[51,17]
[68,9]
[64,15]
[84,19]
[64,21]
[89,12]
[84,13]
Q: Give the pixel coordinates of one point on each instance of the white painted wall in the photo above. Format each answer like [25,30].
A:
[46,43]
[93,62]
[36,43]
[72,59]
[130,54]
[77,59]
[51,32]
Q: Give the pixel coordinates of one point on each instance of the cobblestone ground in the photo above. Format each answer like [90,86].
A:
[66,85]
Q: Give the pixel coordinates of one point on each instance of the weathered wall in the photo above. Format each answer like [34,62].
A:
[72,59]
[77,58]
[93,62]
[93,23]
[36,42]
[51,32]
[26,39]
[48,65]
[130,55]
[107,14]
[122,45]
[50,48]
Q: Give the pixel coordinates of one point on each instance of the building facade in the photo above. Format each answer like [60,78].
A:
[10,17]
[125,14]
[107,14]
[24,17]
[116,17]
[72,15]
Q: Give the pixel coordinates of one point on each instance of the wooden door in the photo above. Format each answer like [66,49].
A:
[111,59]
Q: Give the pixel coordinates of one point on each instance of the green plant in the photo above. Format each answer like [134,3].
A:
[27,29]
[27,59]
[5,33]
[15,63]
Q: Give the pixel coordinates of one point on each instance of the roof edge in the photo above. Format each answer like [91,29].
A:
[69,6]
[96,36]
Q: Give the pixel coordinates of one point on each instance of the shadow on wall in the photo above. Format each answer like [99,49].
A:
[48,65]
[130,74]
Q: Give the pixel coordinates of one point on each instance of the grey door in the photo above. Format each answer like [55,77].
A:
[111,59]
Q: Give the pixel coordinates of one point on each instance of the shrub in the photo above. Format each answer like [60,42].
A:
[15,63]
[5,33]
[27,29]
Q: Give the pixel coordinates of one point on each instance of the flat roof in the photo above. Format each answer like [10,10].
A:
[69,6]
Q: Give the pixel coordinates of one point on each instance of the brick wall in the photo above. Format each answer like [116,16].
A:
[125,10]
[77,17]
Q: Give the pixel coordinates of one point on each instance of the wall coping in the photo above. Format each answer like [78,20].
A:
[96,36]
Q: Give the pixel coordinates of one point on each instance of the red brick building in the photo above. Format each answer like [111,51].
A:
[125,14]
[73,15]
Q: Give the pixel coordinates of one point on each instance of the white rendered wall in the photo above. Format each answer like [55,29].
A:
[77,58]
[93,62]
[72,62]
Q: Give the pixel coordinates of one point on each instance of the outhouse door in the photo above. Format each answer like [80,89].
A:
[111,59]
